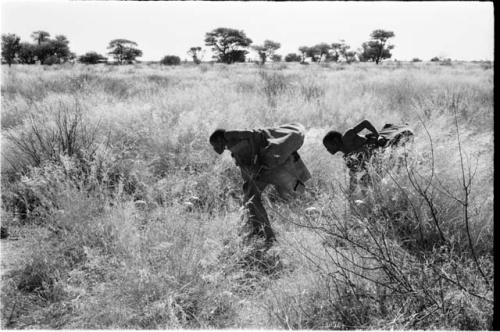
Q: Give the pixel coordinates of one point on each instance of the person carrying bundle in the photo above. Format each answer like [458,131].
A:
[359,149]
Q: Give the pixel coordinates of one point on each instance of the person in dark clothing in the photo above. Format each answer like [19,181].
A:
[359,149]
[265,157]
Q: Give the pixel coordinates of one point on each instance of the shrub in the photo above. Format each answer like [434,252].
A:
[276,58]
[92,58]
[51,60]
[293,57]
[54,130]
[416,60]
[445,62]
[170,60]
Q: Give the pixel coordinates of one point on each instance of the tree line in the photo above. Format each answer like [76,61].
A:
[228,46]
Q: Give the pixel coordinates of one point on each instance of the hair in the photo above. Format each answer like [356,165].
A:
[332,136]
[217,135]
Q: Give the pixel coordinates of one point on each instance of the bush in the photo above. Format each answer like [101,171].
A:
[51,60]
[55,129]
[416,60]
[171,60]
[445,62]
[92,58]
[293,57]
[276,58]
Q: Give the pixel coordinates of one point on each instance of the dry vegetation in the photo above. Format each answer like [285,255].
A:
[136,217]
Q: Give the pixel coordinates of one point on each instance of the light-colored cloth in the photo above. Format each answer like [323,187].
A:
[270,155]
[396,135]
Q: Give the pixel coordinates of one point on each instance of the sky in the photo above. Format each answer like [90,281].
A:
[456,30]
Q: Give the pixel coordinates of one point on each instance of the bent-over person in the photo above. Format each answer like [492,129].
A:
[265,157]
[358,149]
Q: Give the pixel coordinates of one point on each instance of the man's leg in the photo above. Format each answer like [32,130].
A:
[257,220]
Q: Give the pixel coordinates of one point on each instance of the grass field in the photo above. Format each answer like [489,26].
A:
[134,218]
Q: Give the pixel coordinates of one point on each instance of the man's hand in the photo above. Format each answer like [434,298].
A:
[381,141]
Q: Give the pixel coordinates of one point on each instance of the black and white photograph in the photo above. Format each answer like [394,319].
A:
[262,165]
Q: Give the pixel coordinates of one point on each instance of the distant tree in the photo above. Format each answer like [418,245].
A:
[237,56]
[314,53]
[276,58]
[349,56]
[228,44]
[416,60]
[51,60]
[304,50]
[377,48]
[293,57]
[59,47]
[130,55]
[40,36]
[321,51]
[72,57]
[43,51]
[91,58]
[46,50]
[10,47]
[194,52]
[267,50]
[341,50]
[435,59]
[445,62]
[335,52]
[123,50]
[170,60]
[27,53]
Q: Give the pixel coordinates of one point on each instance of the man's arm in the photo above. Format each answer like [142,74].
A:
[365,124]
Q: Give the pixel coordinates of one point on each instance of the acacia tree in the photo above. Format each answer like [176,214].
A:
[10,47]
[194,52]
[228,44]
[267,50]
[123,50]
[40,36]
[377,48]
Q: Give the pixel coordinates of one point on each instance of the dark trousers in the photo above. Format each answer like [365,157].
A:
[257,223]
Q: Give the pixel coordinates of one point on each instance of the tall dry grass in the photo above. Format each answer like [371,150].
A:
[142,217]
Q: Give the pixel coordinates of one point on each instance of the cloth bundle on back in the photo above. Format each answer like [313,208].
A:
[396,135]
[266,157]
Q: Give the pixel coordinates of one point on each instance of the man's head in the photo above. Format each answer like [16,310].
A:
[333,141]
[217,140]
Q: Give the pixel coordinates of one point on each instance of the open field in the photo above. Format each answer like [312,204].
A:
[133,218]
